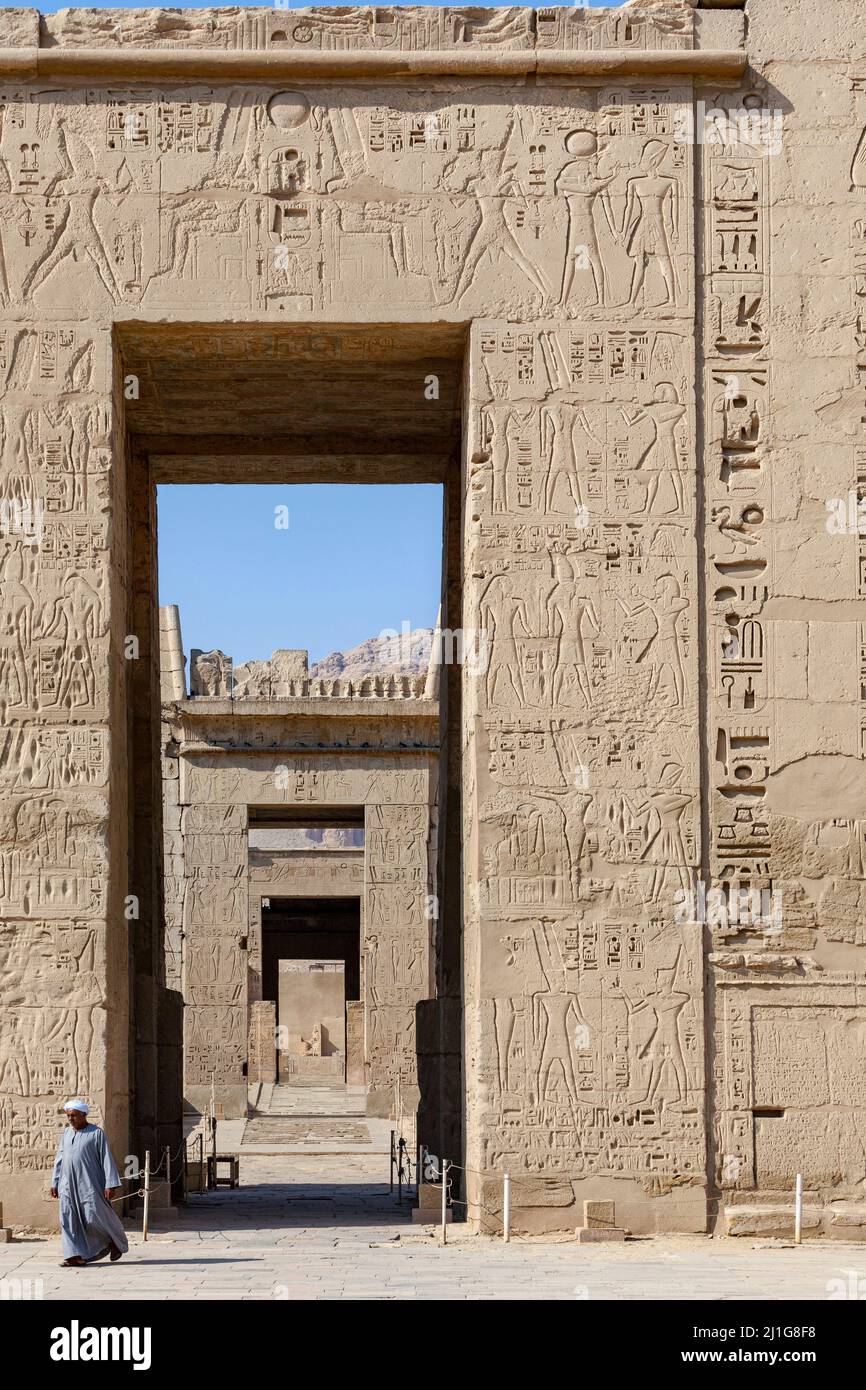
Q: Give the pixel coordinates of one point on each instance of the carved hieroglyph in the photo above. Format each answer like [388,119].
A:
[648,225]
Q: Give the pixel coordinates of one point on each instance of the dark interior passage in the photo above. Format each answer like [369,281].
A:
[311,929]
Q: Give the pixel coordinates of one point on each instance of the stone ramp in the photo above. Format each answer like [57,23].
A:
[312,1117]
[279,1130]
[313,1098]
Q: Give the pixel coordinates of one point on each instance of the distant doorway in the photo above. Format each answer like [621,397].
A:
[311,967]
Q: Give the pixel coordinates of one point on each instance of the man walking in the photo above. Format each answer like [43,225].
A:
[85,1178]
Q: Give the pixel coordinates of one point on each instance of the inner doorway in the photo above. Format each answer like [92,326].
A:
[311,968]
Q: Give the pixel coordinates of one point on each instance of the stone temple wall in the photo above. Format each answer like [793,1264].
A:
[376,758]
[647,229]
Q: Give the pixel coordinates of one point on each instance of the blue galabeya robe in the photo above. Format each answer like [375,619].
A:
[83,1169]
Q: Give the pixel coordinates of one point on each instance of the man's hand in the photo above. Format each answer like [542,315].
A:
[110,1192]
[54,1192]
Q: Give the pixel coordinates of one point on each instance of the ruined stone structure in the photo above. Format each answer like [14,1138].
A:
[602,274]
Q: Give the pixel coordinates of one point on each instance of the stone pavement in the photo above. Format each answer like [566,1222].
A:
[307,1227]
[310,1117]
[303,1118]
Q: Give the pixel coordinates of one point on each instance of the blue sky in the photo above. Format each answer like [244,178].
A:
[354,560]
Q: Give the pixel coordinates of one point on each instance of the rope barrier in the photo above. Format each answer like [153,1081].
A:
[139,1192]
[474,1171]
[446,1186]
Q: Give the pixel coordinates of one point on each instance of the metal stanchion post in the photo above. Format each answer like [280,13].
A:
[506,1208]
[146,1193]
[213,1133]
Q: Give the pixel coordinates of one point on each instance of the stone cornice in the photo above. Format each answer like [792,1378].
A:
[189,748]
[190,64]
[317,707]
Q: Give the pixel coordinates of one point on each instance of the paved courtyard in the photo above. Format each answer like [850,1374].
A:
[326,1227]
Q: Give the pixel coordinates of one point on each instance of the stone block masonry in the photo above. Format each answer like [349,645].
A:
[629,246]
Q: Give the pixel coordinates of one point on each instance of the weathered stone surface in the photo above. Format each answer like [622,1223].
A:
[262,1045]
[478,248]
[594,1235]
[600,1214]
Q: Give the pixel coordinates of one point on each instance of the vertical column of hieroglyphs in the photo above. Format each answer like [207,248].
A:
[584,983]
[62,973]
[738,513]
[215,926]
[397,947]
[854,506]
[858,478]
[173,867]
[784,635]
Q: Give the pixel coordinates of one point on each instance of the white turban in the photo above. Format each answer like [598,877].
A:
[77,1105]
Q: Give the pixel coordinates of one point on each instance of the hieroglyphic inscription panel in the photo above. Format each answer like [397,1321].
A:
[214,978]
[398,943]
[587,1050]
[305,201]
[58,976]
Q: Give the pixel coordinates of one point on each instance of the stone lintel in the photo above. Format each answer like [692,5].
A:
[273,465]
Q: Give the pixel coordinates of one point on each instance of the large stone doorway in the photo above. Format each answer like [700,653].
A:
[311,967]
[241,404]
